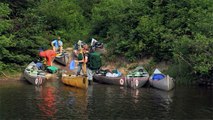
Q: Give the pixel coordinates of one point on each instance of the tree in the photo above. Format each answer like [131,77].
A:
[5,37]
[65,19]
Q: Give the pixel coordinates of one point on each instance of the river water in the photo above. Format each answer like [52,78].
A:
[23,101]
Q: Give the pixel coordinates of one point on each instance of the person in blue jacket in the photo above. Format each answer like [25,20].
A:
[57,44]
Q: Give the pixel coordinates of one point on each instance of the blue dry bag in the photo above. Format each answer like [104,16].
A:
[72,65]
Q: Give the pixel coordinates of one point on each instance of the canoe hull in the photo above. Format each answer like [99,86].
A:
[132,82]
[166,84]
[62,59]
[35,77]
[137,77]
[75,81]
[109,80]
[137,82]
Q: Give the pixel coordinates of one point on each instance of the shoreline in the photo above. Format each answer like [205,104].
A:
[11,78]
[14,76]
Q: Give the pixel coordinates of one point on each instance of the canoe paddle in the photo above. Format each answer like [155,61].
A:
[84,68]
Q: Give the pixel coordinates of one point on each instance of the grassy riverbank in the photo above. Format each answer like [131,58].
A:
[173,70]
[8,75]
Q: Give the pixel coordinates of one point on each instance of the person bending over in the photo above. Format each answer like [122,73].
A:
[49,55]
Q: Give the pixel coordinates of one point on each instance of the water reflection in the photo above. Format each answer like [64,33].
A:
[135,94]
[38,88]
[162,101]
[164,96]
[90,91]
[76,95]
[77,101]
[54,100]
[46,100]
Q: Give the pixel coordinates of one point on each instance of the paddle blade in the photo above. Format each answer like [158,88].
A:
[72,65]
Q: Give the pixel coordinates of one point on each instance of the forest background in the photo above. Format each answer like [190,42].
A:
[179,32]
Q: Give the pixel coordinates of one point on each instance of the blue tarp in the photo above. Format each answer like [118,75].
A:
[158,76]
[39,65]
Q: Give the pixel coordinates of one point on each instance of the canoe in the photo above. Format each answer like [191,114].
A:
[75,81]
[137,78]
[109,80]
[34,75]
[62,58]
[161,81]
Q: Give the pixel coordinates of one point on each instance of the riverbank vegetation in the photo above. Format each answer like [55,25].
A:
[177,32]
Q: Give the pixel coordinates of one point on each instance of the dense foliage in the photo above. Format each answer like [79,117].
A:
[179,31]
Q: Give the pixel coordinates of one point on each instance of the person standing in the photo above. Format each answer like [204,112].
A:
[86,59]
[80,61]
[77,47]
[57,44]
[95,44]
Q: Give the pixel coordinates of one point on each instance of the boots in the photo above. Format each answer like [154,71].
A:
[78,73]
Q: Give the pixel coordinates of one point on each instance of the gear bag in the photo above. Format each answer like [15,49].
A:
[94,61]
[52,69]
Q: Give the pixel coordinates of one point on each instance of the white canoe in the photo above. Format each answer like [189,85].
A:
[137,78]
[33,75]
[166,83]
[62,58]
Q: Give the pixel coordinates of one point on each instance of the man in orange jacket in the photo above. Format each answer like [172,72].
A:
[49,55]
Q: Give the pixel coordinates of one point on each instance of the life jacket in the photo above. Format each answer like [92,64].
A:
[94,61]
[80,56]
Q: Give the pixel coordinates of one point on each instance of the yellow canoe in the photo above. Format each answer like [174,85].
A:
[75,81]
